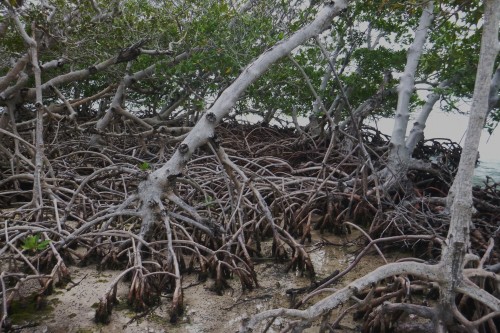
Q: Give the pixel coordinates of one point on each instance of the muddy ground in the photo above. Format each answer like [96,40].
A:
[72,309]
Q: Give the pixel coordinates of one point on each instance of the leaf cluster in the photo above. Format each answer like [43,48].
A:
[222,40]
[34,243]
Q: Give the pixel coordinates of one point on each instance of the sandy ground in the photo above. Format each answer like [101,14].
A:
[73,311]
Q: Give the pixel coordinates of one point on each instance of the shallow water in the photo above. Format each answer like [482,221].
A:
[490,168]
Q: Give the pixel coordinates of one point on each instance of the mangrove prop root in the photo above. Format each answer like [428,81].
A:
[266,187]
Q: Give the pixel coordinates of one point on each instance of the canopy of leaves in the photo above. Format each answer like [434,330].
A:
[369,41]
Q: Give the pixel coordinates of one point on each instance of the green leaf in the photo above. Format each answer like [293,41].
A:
[144,166]
[33,243]
[30,242]
[209,200]
[43,245]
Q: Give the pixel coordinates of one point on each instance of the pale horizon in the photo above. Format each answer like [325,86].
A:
[452,126]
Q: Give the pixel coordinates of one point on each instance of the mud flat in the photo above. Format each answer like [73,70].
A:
[72,309]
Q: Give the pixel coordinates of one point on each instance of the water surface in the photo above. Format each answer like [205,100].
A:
[490,168]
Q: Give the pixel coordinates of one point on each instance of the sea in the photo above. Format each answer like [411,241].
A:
[490,168]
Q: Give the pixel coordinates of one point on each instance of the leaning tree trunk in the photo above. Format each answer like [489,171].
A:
[460,196]
[161,183]
[162,180]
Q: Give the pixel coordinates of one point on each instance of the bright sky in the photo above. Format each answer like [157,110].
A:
[453,126]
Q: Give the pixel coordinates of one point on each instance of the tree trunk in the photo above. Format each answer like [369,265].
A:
[460,196]
[494,88]
[417,132]
[448,273]
[162,180]
[399,157]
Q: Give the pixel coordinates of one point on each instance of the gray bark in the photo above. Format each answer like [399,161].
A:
[417,132]
[398,155]
[448,272]
[13,74]
[117,102]
[494,89]
[161,180]
[460,195]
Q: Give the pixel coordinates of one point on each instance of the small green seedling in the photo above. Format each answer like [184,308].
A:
[144,166]
[34,243]
[209,200]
